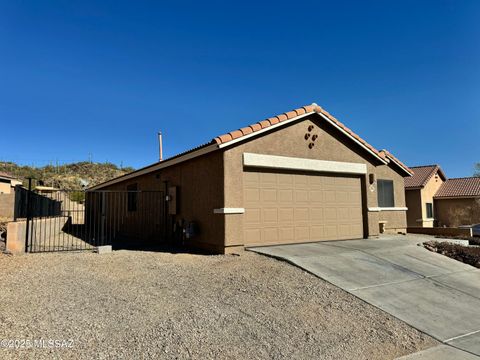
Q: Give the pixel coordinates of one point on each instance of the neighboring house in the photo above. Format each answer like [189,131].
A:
[8,183]
[301,176]
[419,191]
[7,194]
[457,202]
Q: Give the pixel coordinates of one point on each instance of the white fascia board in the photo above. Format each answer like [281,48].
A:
[229,211]
[293,163]
[160,165]
[351,137]
[399,165]
[264,130]
[376,209]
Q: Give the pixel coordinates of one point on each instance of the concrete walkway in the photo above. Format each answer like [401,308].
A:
[431,292]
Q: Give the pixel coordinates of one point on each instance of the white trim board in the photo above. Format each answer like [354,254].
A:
[377,209]
[229,211]
[294,163]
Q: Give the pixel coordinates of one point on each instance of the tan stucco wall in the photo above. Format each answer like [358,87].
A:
[200,190]
[5,188]
[455,212]
[428,192]
[330,145]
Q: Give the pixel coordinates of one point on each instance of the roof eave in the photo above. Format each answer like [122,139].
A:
[157,166]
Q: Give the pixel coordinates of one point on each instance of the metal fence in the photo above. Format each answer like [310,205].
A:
[83,220]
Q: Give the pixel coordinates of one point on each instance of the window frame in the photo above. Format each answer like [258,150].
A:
[427,208]
[381,189]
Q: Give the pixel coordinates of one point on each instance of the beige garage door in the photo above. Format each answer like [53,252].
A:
[292,208]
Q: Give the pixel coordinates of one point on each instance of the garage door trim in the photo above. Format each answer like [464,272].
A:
[295,163]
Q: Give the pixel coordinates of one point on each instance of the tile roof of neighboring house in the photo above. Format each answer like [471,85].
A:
[421,175]
[237,135]
[460,187]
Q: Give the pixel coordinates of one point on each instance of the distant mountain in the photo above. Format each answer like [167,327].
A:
[67,176]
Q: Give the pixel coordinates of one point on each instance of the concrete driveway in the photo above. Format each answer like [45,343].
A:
[431,292]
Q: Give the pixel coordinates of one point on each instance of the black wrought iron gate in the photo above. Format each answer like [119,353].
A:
[72,220]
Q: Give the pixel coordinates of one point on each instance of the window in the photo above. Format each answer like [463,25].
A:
[385,193]
[132,197]
[429,210]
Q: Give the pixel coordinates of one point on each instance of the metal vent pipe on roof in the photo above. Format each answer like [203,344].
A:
[160,147]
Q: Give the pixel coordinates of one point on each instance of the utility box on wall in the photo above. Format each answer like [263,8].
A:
[172,200]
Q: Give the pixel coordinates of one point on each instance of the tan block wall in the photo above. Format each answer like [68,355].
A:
[456,212]
[290,141]
[16,232]
[7,205]
[200,190]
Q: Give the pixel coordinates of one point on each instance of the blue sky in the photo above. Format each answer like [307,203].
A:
[102,77]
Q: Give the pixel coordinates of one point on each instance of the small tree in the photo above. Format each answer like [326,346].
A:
[477,170]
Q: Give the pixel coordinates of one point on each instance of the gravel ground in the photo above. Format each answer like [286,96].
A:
[133,304]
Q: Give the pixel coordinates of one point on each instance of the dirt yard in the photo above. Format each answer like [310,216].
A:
[132,304]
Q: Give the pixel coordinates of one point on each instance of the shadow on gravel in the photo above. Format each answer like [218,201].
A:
[154,246]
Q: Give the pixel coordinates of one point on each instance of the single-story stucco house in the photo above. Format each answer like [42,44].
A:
[300,176]
[419,191]
[433,200]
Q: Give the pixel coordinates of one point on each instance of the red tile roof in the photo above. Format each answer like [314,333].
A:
[421,175]
[459,187]
[314,108]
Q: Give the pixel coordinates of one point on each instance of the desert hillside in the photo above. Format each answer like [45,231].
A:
[67,176]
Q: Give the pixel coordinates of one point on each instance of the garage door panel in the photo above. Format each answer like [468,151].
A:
[315,196]
[285,214]
[302,233]
[330,214]
[268,179]
[331,231]
[341,197]
[270,235]
[285,196]
[270,215]
[286,180]
[252,217]
[343,215]
[301,196]
[301,214]
[252,236]
[289,208]
[317,232]
[316,215]
[268,195]
[330,196]
[251,195]
[286,234]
